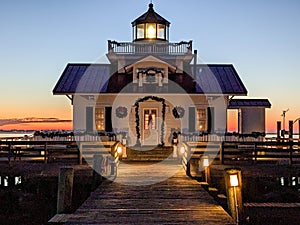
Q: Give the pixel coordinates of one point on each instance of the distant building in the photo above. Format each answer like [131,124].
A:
[152,88]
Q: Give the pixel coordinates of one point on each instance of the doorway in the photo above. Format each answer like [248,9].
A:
[150,127]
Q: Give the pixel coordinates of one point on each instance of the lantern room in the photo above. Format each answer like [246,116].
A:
[150,26]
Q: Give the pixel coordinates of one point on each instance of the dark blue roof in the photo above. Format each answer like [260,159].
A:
[83,78]
[239,103]
[218,79]
[96,78]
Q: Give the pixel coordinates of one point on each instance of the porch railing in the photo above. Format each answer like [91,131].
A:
[180,48]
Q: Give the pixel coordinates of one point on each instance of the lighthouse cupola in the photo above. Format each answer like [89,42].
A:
[150,26]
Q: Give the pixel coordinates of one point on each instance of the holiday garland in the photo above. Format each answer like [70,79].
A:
[178,112]
[121,112]
[137,116]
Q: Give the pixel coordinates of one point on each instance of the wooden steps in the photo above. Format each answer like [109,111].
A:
[149,154]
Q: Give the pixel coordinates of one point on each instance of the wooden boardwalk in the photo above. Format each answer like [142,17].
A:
[169,198]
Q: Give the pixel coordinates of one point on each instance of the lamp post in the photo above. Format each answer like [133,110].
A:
[233,180]
[205,165]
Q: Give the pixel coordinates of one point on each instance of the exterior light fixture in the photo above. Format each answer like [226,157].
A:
[119,150]
[234,180]
[182,150]
[205,162]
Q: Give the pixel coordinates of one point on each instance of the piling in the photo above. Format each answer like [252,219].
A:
[233,181]
[65,188]
[97,169]
[278,129]
[299,130]
[291,130]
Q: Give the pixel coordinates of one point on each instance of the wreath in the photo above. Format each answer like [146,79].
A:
[178,112]
[121,112]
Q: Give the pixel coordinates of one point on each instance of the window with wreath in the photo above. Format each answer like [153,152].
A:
[201,119]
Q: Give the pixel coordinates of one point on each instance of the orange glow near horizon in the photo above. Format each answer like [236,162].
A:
[39,126]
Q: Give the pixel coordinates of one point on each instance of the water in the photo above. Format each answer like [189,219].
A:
[274,135]
[15,134]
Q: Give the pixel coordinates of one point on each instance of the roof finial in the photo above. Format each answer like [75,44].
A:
[151,4]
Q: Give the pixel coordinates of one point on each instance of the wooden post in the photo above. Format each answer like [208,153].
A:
[80,153]
[45,153]
[291,141]
[291,130]
[10,152]
[188,164]
[255,154]
[65,188]
[299,130]
[97,169]
[233,182]
[222,153]
[278,129]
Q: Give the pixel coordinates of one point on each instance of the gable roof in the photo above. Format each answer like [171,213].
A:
[240,103]
[97,78]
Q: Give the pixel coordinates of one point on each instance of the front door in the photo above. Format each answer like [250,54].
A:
[150,127]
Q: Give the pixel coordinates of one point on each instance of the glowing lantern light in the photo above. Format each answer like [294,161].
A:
[182,150]
[151,32]
[205,162]
[234,181]
[119,150]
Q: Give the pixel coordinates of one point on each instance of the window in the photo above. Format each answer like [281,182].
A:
[140,31]
[150,30]
[150,119]
[201,119]
[161,31]
[100,119]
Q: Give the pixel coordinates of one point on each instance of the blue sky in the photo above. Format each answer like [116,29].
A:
[38,38]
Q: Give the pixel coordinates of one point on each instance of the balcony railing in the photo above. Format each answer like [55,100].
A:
[180,48]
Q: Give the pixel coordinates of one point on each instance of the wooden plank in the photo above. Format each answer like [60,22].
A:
[172,198]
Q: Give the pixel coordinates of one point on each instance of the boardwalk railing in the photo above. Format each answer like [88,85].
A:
[244,152]
[47,151]
[146,48]
[57,151]
[278,152]
[219,138]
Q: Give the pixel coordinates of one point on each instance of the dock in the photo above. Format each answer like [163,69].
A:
[144,193]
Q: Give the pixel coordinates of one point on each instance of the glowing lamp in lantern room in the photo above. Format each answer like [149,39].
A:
[151,26]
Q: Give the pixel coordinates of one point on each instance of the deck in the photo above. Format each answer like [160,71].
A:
[169,197]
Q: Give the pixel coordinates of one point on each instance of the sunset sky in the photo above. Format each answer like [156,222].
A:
[38,38]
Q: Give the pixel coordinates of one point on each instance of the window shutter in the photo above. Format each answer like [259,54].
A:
[89,119]
[108,122]
[210,119]
[192,119]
